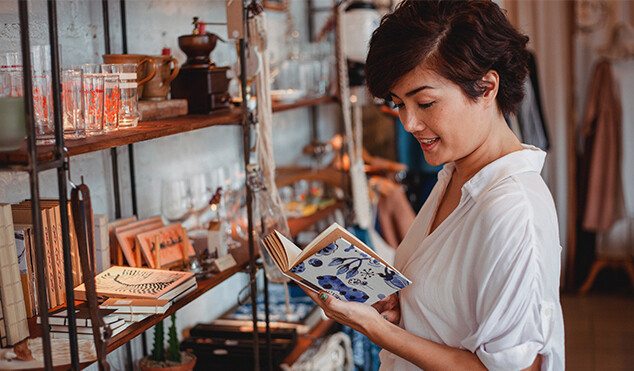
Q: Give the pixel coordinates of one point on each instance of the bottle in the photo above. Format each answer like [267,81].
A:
[267,216]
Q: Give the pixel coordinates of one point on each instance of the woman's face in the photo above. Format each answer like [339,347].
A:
[448,125]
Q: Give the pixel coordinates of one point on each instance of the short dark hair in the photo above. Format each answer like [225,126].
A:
[459,40]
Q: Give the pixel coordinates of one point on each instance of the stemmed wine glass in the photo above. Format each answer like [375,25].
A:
[176,201]
[234,197]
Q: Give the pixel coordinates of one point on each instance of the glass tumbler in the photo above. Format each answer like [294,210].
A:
[43,109]
[73,104]
[129,111]
[112,102]
[94,102]
[12,119]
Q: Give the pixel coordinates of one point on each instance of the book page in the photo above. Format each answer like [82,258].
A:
[289,252]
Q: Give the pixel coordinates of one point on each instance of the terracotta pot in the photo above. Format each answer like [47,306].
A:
[145,67]
[187,357]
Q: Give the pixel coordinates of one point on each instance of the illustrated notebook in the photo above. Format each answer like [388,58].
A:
[336,262]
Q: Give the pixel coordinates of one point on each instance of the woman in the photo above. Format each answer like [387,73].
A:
[483,253]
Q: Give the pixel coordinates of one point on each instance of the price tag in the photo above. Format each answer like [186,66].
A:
[225,262]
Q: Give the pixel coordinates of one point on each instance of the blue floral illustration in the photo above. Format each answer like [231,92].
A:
[315,262]
[328,249]
[334,285]
[299,268]
[349,266]
[393,279]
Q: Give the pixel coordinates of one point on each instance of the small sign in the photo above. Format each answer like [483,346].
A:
[225,262]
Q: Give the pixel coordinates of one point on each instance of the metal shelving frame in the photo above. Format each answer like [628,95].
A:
[33,167]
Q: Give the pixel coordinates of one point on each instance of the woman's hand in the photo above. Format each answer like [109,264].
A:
[355,315]
[389,308]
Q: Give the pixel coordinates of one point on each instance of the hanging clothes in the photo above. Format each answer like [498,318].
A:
[624,79]
[601,131]
[530,116]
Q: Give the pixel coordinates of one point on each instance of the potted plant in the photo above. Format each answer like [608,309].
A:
[170,359]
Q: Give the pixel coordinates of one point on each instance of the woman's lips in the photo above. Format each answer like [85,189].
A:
[428,144]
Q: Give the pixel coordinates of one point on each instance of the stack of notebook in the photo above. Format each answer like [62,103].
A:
[58,323]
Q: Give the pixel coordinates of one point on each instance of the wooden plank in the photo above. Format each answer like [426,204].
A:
[297,225]
[143,131]
[306,102]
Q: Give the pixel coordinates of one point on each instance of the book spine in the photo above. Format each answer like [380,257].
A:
[50,262]
[56,229]
[74,249]
[32,269]
[13,308]
[21,253]
[102,249]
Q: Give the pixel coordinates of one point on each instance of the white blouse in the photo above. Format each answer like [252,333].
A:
[487,278]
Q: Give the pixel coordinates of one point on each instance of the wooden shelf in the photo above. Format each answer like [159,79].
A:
[137,328]
[305,341]
[304,102]
[146,130]
[297,225]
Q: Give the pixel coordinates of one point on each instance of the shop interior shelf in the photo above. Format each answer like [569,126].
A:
[304,102]
[137,328]
[145,130]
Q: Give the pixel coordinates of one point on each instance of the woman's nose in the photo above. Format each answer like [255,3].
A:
[411,123]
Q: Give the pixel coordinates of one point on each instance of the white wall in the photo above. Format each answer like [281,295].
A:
[152,25]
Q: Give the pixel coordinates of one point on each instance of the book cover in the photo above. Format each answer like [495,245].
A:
[55,229]
[336,262]
[134,282]
[29,242]
[22,215]
[15,326]
[86,329]
[102,248]
[82,317]
[22,252]
[137,306]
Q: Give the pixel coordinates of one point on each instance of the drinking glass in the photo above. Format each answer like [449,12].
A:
[88,68]
[72,81]
[94,99]
[112,102]
[176,202]
[234,197]
[12,119]
[43,108]
[129,111]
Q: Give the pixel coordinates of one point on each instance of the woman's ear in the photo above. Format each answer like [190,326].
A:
[490,85]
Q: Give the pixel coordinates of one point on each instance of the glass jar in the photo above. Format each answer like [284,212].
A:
[267,216]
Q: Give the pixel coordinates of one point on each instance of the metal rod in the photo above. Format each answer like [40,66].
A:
[132,179]
[61,183]
[267,320]
[246,136]
[34,184]
[106,25]
[124,31]
[115,182]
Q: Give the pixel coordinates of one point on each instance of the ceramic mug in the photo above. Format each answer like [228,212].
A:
[145,67]
[159,86]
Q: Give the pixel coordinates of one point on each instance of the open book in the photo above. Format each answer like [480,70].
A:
[336,262]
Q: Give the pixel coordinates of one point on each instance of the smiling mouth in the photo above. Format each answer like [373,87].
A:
[429,141]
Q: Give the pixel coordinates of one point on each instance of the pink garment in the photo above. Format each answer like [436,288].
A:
[395,215]
[602,130]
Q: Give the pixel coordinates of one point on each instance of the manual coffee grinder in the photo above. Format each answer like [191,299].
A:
[200,81]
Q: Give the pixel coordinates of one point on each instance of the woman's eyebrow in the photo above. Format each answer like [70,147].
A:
[413,91]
